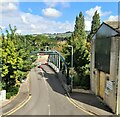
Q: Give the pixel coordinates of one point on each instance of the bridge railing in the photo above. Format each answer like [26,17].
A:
[57,62]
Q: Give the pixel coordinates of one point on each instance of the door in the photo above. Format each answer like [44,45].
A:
[102,84]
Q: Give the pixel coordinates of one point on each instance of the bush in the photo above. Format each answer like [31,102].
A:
[80,81]
[8,95]
[24,75]
[76,81]
[85,82]
[74,75]
[12,91]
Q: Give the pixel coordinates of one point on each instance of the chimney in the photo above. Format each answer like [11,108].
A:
[119,15]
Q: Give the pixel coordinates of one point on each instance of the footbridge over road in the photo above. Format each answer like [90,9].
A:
[58,63]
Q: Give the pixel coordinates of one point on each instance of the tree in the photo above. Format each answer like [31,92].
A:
[95,25]
[10,61]
[16,60]
[81,53]
[79,35]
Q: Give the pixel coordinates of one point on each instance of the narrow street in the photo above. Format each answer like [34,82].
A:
[48,96]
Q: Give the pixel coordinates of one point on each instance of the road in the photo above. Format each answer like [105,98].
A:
[48,96]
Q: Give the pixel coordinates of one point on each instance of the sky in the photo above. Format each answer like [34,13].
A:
[52,17]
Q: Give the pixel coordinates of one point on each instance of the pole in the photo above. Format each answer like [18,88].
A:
[72,57]
[59,62]
[118,88]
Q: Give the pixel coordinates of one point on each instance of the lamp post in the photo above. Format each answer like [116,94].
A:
[47,48]
[71,55]
[71,81]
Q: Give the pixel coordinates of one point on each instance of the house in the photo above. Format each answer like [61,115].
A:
[105,64]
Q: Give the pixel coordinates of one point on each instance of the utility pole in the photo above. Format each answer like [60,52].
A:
[71,55]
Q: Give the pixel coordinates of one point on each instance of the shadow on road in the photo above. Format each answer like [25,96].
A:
[52,80]
[90,99]
[86,98]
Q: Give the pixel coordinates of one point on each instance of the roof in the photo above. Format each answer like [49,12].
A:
[114,24]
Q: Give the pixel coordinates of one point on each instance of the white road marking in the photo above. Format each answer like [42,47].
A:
[48,95]
[45,83]
[49,109]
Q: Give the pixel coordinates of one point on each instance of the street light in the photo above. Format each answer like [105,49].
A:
[71,55]
[47,48]
[71,83]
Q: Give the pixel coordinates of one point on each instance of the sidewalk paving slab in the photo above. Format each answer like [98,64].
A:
[86,99]
[89,101]
[23,95]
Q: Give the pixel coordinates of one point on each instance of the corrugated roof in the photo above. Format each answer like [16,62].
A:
[113,24]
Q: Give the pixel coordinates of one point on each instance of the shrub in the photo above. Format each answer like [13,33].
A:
[85,82]
[74,75]
[12,91]
[8,95]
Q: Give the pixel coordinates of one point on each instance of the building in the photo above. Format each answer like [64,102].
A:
[105,64]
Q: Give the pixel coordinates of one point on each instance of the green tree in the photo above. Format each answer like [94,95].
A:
[40,41]
[16,59]
[95,25]
[10,61]
[81,52]
[79,34]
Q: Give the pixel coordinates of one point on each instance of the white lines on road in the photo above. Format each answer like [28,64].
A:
[48,95]
[45,83]
[49,109]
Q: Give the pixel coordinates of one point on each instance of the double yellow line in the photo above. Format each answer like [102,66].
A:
[17,107]
[72,101]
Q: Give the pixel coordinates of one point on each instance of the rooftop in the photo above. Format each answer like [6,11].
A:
[114,24]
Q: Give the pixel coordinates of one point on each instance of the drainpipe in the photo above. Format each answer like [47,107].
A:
[119,15]
[118,89]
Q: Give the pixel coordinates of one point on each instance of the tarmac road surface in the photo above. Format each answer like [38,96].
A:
[48,96]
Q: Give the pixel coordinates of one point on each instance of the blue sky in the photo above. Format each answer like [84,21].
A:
[53,17]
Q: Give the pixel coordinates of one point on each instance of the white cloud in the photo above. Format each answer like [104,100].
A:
[91,12]
[112,18]
[12,6]
[33,26]
[65,4]
[24,19]
[30,10]
[87,25]
[8,6]
[51,12]
[28,23]
[54,3]
[2,27]
[3,1]
[19,31]
[50,4]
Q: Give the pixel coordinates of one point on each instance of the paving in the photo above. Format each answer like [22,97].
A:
[20,98]
[86,100]
[90,102]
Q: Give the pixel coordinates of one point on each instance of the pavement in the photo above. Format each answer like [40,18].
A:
[9,106]
[90,102]
[83,99]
